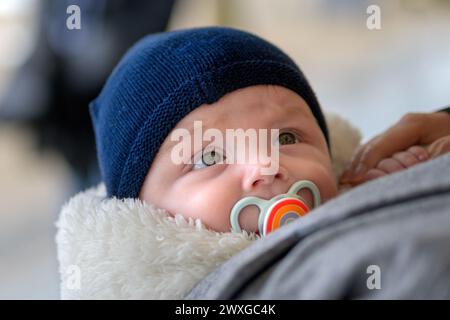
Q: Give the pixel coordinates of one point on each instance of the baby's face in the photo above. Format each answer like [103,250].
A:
[208,190]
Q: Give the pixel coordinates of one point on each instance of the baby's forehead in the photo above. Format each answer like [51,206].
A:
[257,104]
[249,108]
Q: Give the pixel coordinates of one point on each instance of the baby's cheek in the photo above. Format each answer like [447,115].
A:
[212,208]
[327,184]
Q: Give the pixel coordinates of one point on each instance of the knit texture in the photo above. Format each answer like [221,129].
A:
[165,76]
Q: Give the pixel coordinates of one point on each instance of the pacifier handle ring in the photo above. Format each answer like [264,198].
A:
[308,185]
[237,209]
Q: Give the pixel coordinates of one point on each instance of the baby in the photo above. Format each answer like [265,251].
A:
[221,79]
[195,189]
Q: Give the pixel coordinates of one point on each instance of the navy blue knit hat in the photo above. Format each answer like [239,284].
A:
[165,76]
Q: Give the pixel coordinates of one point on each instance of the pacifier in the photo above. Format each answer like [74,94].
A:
[278,211]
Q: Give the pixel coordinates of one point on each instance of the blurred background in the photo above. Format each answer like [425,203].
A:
[49,73]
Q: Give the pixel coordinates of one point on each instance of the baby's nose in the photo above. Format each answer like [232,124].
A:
[255,177]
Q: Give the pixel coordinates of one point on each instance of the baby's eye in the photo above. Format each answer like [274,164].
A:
[287,138]
[209,158]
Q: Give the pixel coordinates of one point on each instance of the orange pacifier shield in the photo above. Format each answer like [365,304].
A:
[283,212]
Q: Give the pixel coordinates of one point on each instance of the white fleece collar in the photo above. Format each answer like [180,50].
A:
[127,249]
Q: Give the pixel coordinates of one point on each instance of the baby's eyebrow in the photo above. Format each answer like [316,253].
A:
[190,129]
[290,117]
[283,119]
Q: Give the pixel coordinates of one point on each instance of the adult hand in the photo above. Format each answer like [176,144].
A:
[406,143]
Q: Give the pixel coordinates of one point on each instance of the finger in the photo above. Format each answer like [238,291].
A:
[388,144]
[374,174]
[397,138]
[348,172]
[390,165]
[439,147]
[370,175]
[419,152]
[406,158]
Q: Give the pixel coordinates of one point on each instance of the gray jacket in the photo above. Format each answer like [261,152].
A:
[387,239]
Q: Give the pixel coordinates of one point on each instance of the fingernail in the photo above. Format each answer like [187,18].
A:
[422,156]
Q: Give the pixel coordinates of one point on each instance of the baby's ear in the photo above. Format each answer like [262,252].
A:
[344,139]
